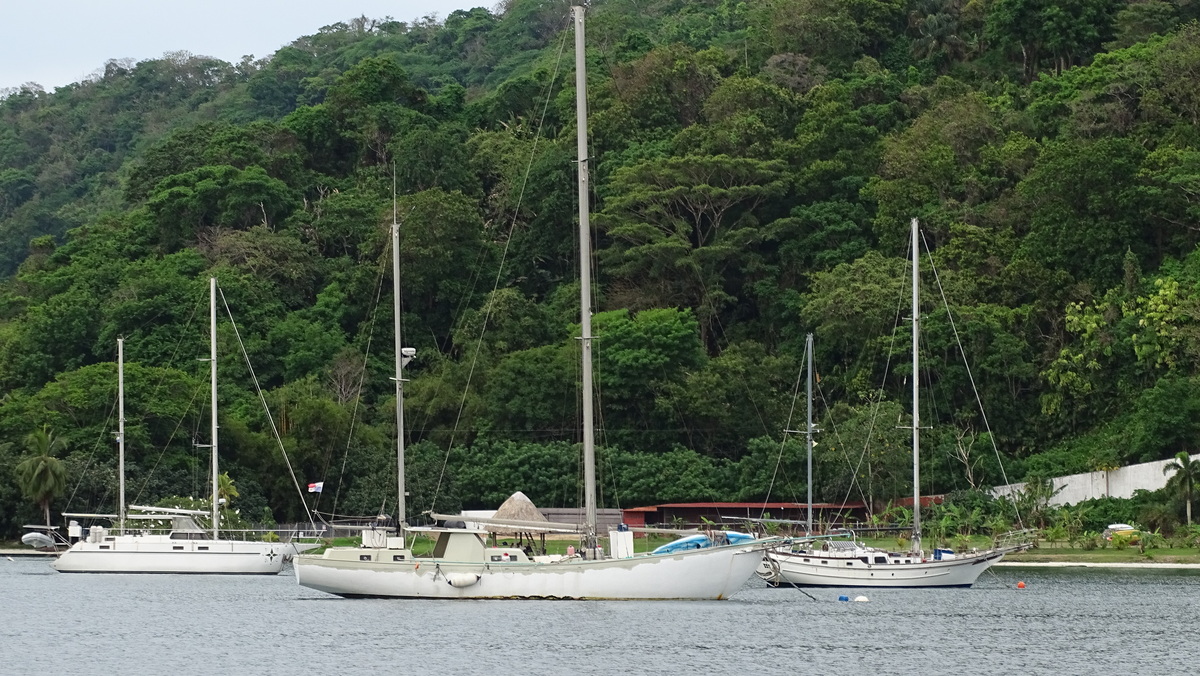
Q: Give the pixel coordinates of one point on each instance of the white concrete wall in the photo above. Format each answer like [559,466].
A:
[1118,483]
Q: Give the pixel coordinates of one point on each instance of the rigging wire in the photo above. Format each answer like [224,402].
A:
[266,409]
[783,440]
[971,377]
[362,375]
[499,271]
[92,453]
[104,430]
[875,411]
[163,451]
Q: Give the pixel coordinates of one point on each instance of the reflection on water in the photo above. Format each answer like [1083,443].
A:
[1067,621]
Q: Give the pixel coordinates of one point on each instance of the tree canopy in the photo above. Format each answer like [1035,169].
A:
[755,167]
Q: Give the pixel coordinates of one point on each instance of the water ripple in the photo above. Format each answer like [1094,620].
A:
[1067,621]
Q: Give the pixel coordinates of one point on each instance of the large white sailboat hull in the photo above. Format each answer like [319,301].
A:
[161,554]
[714,573]
[807,570]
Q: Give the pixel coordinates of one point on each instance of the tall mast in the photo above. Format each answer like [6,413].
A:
[916,407]
[401,505]
[585,282]
[121,433]
[212,359]
[808,350]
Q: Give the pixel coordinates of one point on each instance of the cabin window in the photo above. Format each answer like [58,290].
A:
[364,557]
[863,559]
[807,561]
[824,563]
[849,563]
[397,557]
[880,559]
[495,557]
[202,548]
[177,547]
[104,547]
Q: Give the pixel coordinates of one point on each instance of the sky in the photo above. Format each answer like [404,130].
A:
[54,43]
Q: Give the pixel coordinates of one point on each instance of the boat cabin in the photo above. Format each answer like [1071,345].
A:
[851,553]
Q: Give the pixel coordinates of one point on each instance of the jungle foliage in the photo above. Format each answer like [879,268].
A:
[756,165]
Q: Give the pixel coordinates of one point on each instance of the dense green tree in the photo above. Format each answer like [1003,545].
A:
[1062,32]
[754,170]
[189,205]
[638,360]
[681,226]
[834,32]
[1085,235]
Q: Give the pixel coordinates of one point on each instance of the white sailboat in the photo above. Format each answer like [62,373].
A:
[186,548]
[833,562]
[464,566]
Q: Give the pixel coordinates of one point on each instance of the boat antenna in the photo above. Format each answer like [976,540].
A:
[808,349]
[403,355]
[121,434]
[916,410]
[212,356]
[585,284]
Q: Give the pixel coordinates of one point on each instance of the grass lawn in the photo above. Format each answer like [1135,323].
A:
[423,546]
[1045,553]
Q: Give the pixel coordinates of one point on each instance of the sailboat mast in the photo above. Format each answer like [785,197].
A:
[401,505]
[808,350]
[212,369]
[121,434]
[916,407]
[585,281]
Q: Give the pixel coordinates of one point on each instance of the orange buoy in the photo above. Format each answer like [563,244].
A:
[1020,585]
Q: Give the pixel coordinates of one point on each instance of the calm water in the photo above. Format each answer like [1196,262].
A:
[1067,621]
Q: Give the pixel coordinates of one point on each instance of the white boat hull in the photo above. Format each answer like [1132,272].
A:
[714,573]
[809,570]
[160,554]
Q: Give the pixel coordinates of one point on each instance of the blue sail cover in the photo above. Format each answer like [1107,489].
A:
[700,541]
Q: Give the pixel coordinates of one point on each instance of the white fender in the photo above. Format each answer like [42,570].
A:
[462,579]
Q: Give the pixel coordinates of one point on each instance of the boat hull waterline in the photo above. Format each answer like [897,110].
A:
[160,554]
[714,573]
[792,570]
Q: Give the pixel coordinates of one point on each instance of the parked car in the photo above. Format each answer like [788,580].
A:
[1121,529]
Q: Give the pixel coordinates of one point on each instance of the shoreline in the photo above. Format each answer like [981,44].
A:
[25,553]
[1132,565]
[1098,564]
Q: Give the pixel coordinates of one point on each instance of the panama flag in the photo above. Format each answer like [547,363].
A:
[316,488]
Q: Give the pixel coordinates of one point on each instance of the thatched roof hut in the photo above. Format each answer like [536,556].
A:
[517,507]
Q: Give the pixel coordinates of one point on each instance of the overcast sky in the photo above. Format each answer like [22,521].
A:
[56,42]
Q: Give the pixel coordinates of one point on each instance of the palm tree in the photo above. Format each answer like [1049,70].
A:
[41,476]
[225,489]
[1188,473]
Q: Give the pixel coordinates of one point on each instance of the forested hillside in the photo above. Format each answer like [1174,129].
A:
[756,165]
